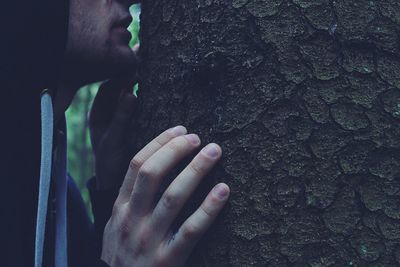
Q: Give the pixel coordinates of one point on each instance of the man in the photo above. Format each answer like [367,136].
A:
[37,53]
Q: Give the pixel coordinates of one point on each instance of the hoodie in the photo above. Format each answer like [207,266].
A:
[32,46]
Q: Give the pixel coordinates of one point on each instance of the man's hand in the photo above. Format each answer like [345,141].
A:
[109,118]
[139,231]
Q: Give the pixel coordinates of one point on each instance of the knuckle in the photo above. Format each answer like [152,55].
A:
[168,135]
[143,242]
[122,222]
[108,227]
[135,163]
[115,209]
[161,260]
[208,210]
[124,229]
[177,144]
[170,200]
[145,173]
[120,209]
[197,168]
[190,232]
[159,142]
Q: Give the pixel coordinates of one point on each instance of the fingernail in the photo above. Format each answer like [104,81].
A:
[178,130]
[193,138]
[222,191]
[212,150]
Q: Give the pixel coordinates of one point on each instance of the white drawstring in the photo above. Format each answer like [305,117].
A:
[60,176]
[45,174]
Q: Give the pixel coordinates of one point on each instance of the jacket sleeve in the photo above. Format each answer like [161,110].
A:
[102,205]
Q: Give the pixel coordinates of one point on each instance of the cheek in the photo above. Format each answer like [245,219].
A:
[95,33]
[101,26]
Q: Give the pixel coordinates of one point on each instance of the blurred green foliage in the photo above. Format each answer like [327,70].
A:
[80,155]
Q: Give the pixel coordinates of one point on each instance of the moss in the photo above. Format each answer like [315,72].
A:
[354,17]
[359,60]
[260,8]
[350,117]
[344,213]
[321,54]
[239,3]
[368,245]
[385,166]
[389,69]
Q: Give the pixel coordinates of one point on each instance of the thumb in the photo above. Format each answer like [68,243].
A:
[121,119]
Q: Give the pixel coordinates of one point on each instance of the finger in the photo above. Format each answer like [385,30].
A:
[142,156]
[199,222]
[183,186]
[120,122]
[157,166]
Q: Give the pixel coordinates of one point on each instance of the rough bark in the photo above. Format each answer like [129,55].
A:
[303,96]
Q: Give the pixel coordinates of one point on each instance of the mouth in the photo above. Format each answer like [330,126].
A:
[124,23]
[121,29]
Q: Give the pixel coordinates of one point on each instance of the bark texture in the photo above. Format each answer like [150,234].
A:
[303,96]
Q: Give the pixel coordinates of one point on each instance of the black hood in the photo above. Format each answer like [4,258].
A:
[32,46]
[33,41]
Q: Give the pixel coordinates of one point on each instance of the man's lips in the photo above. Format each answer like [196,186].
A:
[121,26]
[123,33]
[125,22]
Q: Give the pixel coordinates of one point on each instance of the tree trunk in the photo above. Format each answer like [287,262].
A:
[303,97]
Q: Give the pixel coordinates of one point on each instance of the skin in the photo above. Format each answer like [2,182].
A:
[139,230]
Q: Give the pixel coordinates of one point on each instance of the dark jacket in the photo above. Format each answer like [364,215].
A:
[32,44]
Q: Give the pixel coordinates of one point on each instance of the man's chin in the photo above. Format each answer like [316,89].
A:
[125,55]
[123,63]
